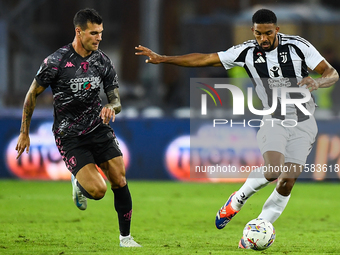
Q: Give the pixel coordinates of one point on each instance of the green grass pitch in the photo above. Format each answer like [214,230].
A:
[168,218]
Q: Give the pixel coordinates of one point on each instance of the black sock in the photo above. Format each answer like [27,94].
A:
[123,206]
[85,193]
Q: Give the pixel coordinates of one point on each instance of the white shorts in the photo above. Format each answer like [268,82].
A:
[294,142]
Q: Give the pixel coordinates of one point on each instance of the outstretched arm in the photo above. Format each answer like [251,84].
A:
[329,76]
[188,60]
[112,108]
[29,105]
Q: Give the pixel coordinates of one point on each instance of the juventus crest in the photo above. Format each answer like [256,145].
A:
[283,56]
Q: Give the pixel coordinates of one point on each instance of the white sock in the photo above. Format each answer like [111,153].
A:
[254,183]
[274,206]
[122,237]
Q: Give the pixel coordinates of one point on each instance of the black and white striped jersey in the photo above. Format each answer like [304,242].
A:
[284,66]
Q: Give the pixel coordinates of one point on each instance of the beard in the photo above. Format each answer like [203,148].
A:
[271,46]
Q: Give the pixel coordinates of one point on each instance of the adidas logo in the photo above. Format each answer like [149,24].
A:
[260,60]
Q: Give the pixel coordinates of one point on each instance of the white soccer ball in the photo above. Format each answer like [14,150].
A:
[258,234]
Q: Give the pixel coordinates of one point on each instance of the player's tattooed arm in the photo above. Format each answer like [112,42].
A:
[112,108]
[29,105]
[114,100]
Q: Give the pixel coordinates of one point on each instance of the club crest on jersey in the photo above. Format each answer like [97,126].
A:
[84,66]
[73,161]
[283,55]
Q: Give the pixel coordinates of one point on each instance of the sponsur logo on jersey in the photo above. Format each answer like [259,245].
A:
[85,83]
[276,80]
[275,72]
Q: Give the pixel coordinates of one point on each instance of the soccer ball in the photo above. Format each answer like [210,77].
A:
[258,234]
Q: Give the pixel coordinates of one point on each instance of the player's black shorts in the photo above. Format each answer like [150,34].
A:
[96,147]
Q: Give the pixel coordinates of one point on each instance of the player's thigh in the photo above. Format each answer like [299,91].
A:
[75,152]
[301,141]
[105,145]
[114,170]
[273,162]
[91,180]
[108,156]
[80,161]
[272,136]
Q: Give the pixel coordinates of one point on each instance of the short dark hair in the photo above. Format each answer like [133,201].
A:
[86,15]
[264,16]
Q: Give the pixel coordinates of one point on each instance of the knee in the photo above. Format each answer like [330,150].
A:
[285,186]
[119,183]
[271,175]
[99,192]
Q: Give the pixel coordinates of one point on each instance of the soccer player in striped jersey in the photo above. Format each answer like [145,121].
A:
[272,60]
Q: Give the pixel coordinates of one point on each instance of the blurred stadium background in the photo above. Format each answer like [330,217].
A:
[154,126]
